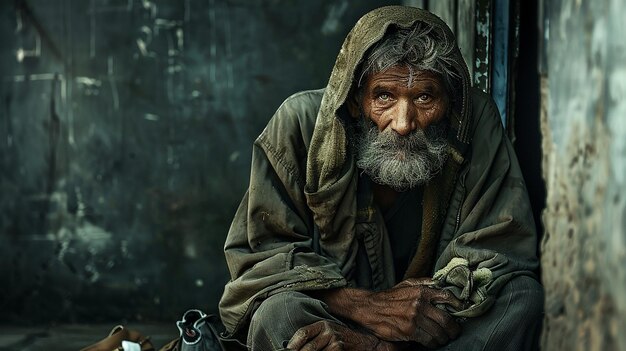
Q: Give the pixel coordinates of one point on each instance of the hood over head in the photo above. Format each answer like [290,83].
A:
[330,165]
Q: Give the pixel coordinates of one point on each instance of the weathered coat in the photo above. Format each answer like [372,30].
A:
[304,182]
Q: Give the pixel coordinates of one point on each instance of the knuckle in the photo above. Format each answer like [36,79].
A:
[300,333]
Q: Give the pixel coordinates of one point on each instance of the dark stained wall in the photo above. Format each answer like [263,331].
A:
[125,137]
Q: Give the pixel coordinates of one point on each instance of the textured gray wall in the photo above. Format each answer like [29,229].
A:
[125,137]
[584,129]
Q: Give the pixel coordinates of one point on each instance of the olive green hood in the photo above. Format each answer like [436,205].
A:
[329,167]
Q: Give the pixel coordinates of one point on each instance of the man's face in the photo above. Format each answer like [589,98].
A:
[394,99]
[402,142]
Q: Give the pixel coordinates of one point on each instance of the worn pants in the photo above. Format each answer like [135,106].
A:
[512,323]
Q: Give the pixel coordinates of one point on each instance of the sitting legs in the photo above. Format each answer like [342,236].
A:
[280,316]
[512,323]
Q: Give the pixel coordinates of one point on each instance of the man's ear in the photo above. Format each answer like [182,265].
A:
[353,104]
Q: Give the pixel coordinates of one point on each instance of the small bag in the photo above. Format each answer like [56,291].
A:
[197,332]
[202,332]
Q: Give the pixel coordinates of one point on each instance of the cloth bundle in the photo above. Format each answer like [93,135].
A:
[467,285]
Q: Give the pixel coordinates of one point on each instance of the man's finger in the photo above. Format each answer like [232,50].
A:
[424,338]
[436,331]
[302,335]
[298,339]
[319,342]
[313,345]
[445,320]
[446,297]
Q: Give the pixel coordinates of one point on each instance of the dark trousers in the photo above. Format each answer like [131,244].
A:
[512,323]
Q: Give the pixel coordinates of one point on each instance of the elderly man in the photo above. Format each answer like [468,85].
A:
[386,211]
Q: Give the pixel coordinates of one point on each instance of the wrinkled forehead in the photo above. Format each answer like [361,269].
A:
[404,75]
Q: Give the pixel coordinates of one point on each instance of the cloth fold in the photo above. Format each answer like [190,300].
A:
[467,284]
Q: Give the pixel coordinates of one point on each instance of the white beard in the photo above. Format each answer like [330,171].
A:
[400,162]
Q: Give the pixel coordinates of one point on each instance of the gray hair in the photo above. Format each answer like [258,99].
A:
[421,47]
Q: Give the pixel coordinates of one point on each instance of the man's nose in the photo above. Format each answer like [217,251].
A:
[406,118]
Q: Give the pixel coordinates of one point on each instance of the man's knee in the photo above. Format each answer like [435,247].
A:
[525,297]
[518,315]
[512,323]
[286,308]
[271,309]
[280,316]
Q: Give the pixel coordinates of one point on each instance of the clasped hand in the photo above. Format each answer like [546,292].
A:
[406,312]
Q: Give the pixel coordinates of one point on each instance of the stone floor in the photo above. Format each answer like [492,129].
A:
[74,337]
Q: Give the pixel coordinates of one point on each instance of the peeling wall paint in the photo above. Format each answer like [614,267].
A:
[584,251]
[482,42]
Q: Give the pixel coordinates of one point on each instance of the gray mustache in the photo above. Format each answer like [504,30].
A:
[401,161]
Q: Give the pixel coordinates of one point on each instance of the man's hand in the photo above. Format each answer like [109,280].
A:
[406,312]
[326,335]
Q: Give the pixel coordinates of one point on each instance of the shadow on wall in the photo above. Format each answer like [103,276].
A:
[125,138]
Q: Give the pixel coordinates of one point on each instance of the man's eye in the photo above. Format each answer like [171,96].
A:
[384,97]
[423,98]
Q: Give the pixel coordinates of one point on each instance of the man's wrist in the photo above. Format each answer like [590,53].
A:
[349,303]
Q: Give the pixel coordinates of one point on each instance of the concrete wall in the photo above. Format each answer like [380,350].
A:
[584,129]
[125,137]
